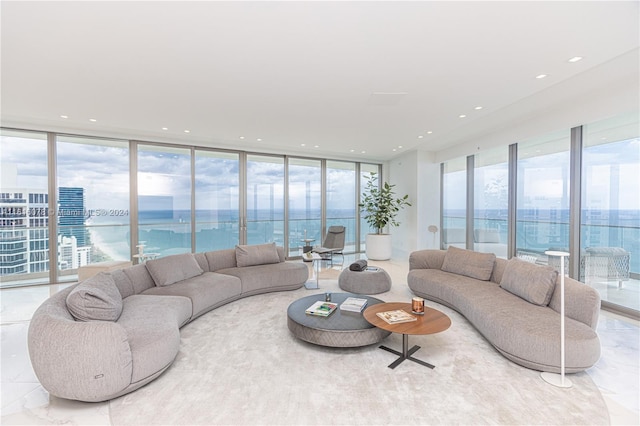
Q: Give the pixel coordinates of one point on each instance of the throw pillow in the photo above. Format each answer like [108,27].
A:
[533,283]
[95,299]
[469,263]
[260,254]
[172,269]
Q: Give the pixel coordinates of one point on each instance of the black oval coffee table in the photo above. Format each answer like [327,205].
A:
[341,329]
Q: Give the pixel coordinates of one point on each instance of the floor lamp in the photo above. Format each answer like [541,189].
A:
[554,378]
[433,229]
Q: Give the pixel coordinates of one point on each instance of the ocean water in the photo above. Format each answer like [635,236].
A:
[168,232]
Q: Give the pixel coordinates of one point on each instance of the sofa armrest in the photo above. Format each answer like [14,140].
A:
[79,360]
[426,259]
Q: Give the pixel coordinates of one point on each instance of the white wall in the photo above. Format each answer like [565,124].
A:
[415,173]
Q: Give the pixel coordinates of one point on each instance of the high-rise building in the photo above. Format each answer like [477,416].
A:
[24,243]
[71,214]
[24,239]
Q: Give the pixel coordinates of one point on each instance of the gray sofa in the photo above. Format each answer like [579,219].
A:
[115,332]
[514,304]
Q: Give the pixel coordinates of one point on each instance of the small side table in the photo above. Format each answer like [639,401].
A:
[433,321]
[307,244]
[315,259]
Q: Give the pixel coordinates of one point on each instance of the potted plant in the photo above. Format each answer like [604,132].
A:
[380,206]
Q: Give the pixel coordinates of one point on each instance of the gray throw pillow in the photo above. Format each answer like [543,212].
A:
[260,254]
[533,283]
[469,263]
[95,299]
[172,269]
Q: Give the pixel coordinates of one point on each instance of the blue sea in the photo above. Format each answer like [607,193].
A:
[169,231]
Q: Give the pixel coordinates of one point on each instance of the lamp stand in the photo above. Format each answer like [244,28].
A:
[556,379]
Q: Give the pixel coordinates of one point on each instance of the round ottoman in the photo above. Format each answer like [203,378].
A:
[365,282]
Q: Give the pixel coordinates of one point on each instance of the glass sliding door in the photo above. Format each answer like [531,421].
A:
[217,190]
[341,206]
[265,199]
[93,202]
[164,200]
[454,203]
[491,202]
[305,208]
[610,229]
[24,210]
[542,221]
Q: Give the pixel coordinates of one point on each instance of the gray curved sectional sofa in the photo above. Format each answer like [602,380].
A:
[117,331]
[514,304]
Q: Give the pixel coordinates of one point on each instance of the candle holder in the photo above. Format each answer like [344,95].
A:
[417,305]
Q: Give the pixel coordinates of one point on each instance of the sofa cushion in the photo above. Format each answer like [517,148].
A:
[206,291]
[533,283]
[259,254]
[171,269]
[95,299]
[469,263]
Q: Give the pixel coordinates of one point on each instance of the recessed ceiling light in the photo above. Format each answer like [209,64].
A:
[394,150]
[165,128]
[316,146]
[241,137]
[303,144]
[478,107]
[541,76]
[462,116]
[399,146]
[187,131]
[259,139]
[575,59]
[362,152]
[93,120]
[429,132]
[64,116]
[420,137]
[352,150]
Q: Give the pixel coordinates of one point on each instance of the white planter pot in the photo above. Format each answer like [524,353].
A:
[378,246]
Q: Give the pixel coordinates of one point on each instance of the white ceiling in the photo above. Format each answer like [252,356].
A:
[361,76]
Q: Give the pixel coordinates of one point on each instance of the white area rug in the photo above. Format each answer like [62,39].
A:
[239,364]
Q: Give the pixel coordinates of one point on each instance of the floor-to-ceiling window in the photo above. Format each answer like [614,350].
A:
[491,201]
[304,200]
[24,212]
[217,192]
[117,199]
[610,231]
[265,199]
[93,202]
[543,196]
[365,175]
[164,200]
[454,203]
[341,199]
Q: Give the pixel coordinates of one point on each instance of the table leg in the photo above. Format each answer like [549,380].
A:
[316,269]
[406,354]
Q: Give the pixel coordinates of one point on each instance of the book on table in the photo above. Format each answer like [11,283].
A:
[322,309]
[353,304]
[396,317]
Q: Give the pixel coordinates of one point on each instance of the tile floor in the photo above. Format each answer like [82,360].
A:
[617,374]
